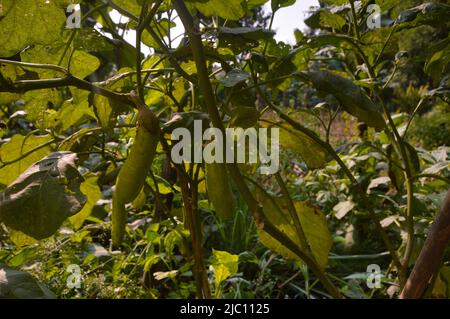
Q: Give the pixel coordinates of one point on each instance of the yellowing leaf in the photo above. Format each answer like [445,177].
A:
[313,223]
[292,140]
[19,146]
[225,265]
[93,193]
[20,239]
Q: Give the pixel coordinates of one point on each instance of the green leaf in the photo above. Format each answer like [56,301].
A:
[315,226]
[277,4]
[73,111]
[15,284]
[163,30]
[328,19]
[352,98]
[28,22]
[17,147]
[20,239]
[335,2]
[230,9]
[79,63]
[83,64]
[225,265]
[285,65]
[395,173]
[438,60]
[234,77]
[252,4]
[43,196]
[103,110]
[40,106]
[386,4]
[176,238]
[92,191]
[242,38]
[130,5]
[325,39]
[313,223]
[293,140]
[244,116]
[434,14]
[441,288]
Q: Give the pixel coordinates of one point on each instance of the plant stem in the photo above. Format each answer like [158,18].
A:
[193,223]
[160,43]
[69,80]
[430,258]
[36,65]
[294,216]
[205,85]
[355,20]
[327,147]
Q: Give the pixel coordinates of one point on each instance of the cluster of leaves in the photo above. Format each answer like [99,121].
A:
[68,123]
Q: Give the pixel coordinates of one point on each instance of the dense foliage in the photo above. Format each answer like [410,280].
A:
[361,102]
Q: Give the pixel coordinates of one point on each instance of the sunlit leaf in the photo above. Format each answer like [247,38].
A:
[21,152]
[28,22]
[225,265]
[231,9]
[92,191]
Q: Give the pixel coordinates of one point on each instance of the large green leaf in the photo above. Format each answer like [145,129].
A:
[43,196]
[277,4]
[79,63]
[287,64]
[40,106]
[352,98]
[315,226]
[103,110]
[325,39]
[313,223]
[430,13]
[130,5]
[230,9]
[73,111]
[27,22]
[234,77]
[18,152]
[243,38]
[299,143]
[15,284]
